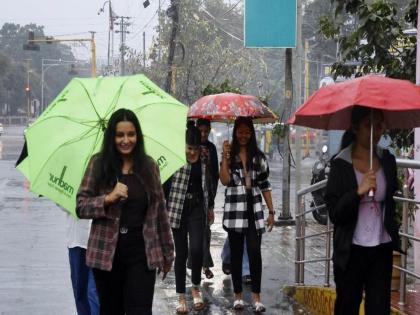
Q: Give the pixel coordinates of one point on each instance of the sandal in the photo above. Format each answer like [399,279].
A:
[209,274]
[259,307]
[226,269]
[238,304]
[182,307]
[198,303]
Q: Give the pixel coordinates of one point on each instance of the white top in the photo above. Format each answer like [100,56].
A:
[370,230]
[77,231]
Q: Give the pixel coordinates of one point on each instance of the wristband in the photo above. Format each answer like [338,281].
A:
[271,212]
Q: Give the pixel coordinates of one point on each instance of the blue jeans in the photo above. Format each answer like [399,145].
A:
[226,257]
[84,289]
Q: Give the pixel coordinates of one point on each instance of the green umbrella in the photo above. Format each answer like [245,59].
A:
[62,140]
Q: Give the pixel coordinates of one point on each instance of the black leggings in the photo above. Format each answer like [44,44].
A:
[129,287]
[368,269]
[192,225]
[253,244]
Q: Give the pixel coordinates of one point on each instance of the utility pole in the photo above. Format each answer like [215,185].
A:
[159,32]
[110,27]
[290,102]
[298,98]
[174,14]
[307,91]
[93,53]
[123,31]
[144,50]
[285,217]
[28,89]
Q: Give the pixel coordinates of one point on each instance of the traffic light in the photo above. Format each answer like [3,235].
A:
[30,45]
[27,91]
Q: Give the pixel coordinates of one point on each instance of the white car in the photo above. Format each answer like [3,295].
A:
[1,129]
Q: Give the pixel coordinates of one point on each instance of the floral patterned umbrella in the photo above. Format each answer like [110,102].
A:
[225,107]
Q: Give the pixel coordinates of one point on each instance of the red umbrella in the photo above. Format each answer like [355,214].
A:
[226,107]
[330,106]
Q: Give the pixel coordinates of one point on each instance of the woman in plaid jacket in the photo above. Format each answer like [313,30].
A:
[244,171]
[130,234]
[190,205]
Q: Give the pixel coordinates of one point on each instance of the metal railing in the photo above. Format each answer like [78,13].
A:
[300,254]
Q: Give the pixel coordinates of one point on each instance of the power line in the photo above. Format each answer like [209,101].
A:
[141,29]
[233,7]
[219,27]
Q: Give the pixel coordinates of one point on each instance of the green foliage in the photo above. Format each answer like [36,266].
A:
[375,41]
[279,130]
[224,87]
[321,51]
[371,40]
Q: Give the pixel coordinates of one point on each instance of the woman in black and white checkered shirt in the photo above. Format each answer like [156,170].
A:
[244,171]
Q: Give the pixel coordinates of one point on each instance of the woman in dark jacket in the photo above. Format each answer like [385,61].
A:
[365,229]
[189,203]
[130,235]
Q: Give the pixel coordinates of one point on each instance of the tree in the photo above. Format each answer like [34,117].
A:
[322,51]
[371,40]
[209,50]
[13,66]
[376,42]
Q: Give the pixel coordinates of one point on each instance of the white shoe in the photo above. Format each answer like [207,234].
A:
[238,304]
[259,307]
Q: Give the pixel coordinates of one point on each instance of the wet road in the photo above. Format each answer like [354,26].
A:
[34,272]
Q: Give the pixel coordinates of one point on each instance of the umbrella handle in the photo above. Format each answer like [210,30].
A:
[371,192]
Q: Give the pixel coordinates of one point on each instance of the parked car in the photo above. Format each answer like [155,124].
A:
[1,129]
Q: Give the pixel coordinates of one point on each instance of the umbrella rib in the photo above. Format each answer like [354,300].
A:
[161,103]
[114,101]
[90,99]
[87,123]
[93,147]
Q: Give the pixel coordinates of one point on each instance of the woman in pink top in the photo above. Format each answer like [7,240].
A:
[365,229]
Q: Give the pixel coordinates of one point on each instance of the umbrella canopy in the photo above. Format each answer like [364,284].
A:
[62,140]
[330,107]
[226,107]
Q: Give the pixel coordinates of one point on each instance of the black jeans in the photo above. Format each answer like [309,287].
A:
[253,244]
[192,225]
[207,258]
[129,287]
[369,268]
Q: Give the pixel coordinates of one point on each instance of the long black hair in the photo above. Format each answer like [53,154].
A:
[252,150]
[193,135]
[357,114]
[110,159]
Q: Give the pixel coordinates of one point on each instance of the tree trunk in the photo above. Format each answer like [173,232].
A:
[172,44]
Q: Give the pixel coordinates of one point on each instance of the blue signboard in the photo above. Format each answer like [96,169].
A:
[270,23]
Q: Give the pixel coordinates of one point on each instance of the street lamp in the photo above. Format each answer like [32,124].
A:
[110,28]
[47,64]
[28,88]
